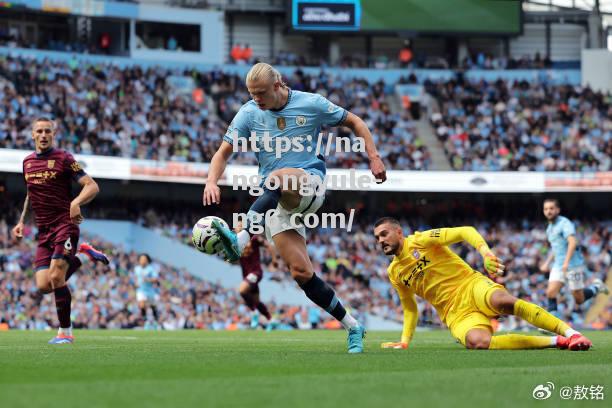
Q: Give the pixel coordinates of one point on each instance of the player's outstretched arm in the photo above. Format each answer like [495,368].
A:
[360,129]
[18,229]
[545,267]
[449,236]
[89,191]
[571,248]
[212,192]
[411,317]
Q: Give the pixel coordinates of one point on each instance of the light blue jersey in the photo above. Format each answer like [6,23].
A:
[299,121]
[557,234]
[144,273]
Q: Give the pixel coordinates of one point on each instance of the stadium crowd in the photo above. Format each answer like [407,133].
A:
[523,126]
[408,57]
[146,113]
[105,297]
[352,263]
[357,268]
[180,115]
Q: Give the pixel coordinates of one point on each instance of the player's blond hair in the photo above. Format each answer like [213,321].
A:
[264,72]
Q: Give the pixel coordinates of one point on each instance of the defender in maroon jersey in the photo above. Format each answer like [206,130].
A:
[252,273]
[48,173]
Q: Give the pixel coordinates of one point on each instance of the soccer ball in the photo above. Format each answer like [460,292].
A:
[204,236]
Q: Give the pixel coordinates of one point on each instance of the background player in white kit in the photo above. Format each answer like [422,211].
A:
[567,261]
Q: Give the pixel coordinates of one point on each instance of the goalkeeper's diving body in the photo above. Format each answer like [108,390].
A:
[466,300]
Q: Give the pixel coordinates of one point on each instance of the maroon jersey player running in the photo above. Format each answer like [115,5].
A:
[48,174]
[252,273]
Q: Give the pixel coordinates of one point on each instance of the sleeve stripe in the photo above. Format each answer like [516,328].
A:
[341,121]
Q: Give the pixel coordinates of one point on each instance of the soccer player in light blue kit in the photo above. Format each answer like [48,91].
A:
[147,293]
[568,266]
[288,115]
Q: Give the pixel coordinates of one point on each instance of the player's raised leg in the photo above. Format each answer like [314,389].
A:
[598,286]
[287,182]
[86,253]
[92,254]
[580,291]
[291,247]
[250,294]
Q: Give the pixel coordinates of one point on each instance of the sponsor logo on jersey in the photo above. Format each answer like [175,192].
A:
[417,272]
[40,177]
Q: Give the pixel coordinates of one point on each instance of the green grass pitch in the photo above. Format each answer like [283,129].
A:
[285,369]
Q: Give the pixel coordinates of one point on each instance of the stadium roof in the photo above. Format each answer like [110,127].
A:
[605,6]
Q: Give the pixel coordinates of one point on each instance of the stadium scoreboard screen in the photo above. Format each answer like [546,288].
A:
[431,16]
[330,15]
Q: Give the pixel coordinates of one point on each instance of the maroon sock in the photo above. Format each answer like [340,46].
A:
[155,315]
[63,298]
[263,310]
[248,300]
[74,263]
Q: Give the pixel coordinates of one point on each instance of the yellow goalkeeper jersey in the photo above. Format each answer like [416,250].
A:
[428,268]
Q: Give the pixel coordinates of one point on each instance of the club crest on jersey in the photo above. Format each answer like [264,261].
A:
[416,254]
[50,164]
[28,165]
[300,120]
[281,123]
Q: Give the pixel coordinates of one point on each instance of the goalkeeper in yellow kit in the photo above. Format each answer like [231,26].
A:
[466,300]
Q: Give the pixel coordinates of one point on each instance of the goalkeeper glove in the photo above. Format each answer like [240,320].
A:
[493,265]
[394,345]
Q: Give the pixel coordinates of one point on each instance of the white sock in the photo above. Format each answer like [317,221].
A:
[349,321]
[570,332]
[82,257]
[66,332]
[243,239]
[553,341]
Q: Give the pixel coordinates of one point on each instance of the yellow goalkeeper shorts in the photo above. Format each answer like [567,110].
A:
[471,309]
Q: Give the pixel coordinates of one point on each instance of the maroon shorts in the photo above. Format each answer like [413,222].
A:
[56,241]
[253,277]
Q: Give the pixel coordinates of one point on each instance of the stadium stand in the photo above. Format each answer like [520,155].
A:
[355,267]
[522,246]
[523,126]
[134,112]
[105,297]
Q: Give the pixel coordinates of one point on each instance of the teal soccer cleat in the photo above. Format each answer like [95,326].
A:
[355,340]
[228,240]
